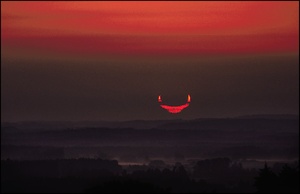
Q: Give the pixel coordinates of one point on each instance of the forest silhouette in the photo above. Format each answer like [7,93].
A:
[107,176]
[164,156]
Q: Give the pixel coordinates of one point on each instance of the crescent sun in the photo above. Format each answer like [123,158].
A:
[174,109]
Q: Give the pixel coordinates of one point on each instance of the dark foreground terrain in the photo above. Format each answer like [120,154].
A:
[175,156]
[107,176]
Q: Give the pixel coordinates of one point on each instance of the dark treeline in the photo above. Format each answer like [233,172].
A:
[107,176]
[286,181]
[215,155]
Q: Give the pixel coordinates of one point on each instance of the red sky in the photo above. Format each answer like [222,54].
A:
[151,27]
[110,60]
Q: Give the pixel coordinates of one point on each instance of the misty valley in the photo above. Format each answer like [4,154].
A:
[200,155]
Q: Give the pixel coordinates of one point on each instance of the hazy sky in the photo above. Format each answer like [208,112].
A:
[110,60]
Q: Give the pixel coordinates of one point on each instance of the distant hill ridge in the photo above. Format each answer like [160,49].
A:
[138,124]
[271,116]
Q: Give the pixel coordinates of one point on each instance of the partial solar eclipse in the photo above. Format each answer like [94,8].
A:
[174,109]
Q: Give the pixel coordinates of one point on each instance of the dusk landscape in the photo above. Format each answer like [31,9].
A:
[150,97]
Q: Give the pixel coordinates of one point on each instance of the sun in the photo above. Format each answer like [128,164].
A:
[174,109]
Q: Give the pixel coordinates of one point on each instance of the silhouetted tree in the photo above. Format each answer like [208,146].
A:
[180,171]
[266,181]
[287,181]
